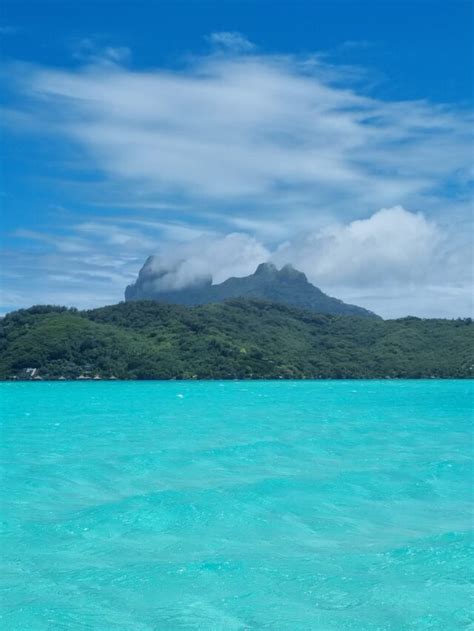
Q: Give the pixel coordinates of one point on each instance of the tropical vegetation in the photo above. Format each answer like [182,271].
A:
[238,339]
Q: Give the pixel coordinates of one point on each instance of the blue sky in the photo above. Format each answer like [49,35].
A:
[333,135]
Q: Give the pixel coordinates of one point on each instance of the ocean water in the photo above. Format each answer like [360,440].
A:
[160,506]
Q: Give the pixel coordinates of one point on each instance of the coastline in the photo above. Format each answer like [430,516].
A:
[230,380]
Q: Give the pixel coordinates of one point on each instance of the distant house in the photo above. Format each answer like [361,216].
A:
[28,373]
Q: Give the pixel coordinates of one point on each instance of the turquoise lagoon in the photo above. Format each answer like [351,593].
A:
[159,506]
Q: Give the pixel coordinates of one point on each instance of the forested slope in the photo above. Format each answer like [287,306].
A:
[235,339]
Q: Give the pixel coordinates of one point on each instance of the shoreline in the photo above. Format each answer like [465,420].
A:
[223,379]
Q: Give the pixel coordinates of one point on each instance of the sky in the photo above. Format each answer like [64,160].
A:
[333,135]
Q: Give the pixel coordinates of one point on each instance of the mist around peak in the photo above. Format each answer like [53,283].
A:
[286,285]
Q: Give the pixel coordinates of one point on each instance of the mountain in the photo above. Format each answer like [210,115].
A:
[287,286]
[244,339]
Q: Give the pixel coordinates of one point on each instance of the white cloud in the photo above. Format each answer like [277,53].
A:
[254,129]
[395,262]
[219,257]
[392,244]
[231,41]
[90,51]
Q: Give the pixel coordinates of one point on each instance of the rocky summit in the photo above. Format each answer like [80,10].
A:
[287,286]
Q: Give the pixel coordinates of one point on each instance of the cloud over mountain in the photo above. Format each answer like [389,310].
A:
[392,244]
[237,157]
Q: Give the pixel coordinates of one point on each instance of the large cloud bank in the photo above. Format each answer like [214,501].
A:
[395,262]
[239,157]
[255,128]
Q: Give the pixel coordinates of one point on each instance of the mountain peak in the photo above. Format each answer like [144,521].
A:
[287,286]
[288,272]
[265,268]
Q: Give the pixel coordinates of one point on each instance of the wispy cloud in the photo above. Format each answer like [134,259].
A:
[89,50]
[231,41]
[255,128]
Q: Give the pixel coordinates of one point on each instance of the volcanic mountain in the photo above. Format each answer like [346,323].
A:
[287,286]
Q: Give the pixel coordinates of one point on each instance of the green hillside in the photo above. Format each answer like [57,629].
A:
[235,339]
